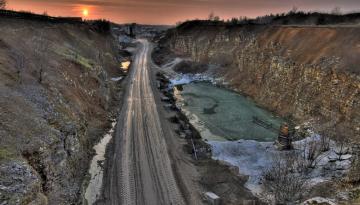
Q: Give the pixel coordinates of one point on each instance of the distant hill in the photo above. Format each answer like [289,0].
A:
[290,18]
[39,17]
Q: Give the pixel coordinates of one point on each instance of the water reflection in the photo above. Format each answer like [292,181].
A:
[125,65]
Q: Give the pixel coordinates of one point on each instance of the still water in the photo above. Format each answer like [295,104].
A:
[221,114]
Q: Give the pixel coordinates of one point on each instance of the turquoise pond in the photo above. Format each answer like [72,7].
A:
[227,114]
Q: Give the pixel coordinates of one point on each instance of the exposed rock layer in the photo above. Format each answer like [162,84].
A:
[302,72]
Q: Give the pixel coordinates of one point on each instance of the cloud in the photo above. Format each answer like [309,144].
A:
[125,3]
[171,11]
[231,4]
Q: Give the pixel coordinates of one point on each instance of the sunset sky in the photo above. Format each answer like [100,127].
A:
[172,11]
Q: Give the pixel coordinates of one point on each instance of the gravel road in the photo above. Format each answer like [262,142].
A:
[140,170]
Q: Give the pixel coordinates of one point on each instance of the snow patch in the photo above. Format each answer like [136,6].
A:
[188,78]
[117,79]
[96,172]
[318,200]
[253,157]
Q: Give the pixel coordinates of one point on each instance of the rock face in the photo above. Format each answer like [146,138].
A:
[56,97]
[302,72]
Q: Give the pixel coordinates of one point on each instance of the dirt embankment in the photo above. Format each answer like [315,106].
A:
[301,72]
[56,98]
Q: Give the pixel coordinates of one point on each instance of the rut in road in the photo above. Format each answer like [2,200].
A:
[140,170]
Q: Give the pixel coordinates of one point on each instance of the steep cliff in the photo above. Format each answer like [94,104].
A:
[56,99]
[302,72]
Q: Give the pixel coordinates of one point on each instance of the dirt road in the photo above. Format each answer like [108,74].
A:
[140,171]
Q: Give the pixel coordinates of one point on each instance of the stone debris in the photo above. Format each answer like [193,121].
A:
[318,200]
[18,180]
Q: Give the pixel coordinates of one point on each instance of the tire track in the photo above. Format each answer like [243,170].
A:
[141,171]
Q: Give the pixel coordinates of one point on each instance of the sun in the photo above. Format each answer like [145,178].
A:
[85,12]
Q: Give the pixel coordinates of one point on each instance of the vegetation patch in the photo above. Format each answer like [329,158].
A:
[5,154]
[101,26]
[76,58]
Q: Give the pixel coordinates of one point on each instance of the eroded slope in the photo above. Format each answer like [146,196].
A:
[56,98]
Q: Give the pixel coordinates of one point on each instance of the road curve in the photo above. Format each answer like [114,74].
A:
[140,170]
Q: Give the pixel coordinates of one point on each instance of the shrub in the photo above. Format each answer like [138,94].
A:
[3,4]
[102,26]
[284,180]
[5,154]
[354,173]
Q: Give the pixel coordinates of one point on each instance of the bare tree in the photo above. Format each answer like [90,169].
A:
[326,131]
[211,16]
[3,4]
[324,142]
[42,48]
[354,173]
[336,11]
[283,180]
[20,63]
[313,148]
[342,142]
[312,153]
[294,10]
[334,129]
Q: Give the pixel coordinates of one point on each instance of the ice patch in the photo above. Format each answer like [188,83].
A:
[253,157]
[205,133]
[116,79]
[180,79]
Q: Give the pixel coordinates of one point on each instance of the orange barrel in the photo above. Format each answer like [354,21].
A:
[284,130]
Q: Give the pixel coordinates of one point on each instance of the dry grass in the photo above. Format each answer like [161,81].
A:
[5,154]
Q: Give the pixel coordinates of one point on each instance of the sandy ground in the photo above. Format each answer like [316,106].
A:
[186,172]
